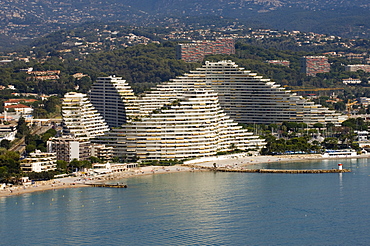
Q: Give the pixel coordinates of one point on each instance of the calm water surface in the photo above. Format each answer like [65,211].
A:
[202,208]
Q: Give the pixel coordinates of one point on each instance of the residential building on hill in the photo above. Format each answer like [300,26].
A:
[279,62]
[196,50]
[351,81]
[312,65]
[19,109]
[356,67]
[18,101]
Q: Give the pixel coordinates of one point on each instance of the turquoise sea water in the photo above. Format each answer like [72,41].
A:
[201,208]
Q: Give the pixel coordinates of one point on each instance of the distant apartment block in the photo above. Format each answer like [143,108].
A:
[354,68]
[351,81]
[195,51]
[365,101]
[279,62]
[312,65]
[352,56]
[44,75]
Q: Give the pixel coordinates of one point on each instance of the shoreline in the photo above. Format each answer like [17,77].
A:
[84,181]
[236,161]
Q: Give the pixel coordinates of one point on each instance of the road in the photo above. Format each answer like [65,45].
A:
[20,145]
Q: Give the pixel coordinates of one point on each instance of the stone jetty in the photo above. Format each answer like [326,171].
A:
[280,170]
[109,185]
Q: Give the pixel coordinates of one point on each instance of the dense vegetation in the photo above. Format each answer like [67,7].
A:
[9,166]
[142,66]
[293,138]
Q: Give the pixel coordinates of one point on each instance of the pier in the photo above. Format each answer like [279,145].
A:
[109,185]
[281,170]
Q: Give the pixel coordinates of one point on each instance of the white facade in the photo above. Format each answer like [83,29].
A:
[80,119]
[102,152]
[351,81]
[68,148]
[179,121]
[39,162]
[7,132]
[248,98]
[114,99]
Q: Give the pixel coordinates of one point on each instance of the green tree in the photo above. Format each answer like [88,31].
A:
[62,166]
[94,159]
[22,128]
[330,143]
[5,143]
[30,148]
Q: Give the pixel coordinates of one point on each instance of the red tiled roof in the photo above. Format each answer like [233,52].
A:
[20,100]
[17,106]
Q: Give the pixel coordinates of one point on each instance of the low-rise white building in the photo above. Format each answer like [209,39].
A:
[19,109]
[39,162]
[7,132]
[351,81]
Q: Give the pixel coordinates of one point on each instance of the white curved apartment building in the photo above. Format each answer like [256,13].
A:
[114,100]
[191,125]
[249,98]
[80,119]
[178,121]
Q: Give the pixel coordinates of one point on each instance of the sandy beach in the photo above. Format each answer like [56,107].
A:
[234,161]
[244,161]
[84,181]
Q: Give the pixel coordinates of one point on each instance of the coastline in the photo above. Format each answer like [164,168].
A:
[84,181]
[236,161]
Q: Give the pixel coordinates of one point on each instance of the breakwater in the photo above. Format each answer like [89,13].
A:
[109,185]
[281,170]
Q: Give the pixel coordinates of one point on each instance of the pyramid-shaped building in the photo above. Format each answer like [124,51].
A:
[249,98]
